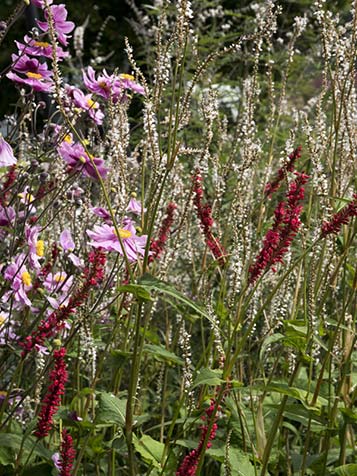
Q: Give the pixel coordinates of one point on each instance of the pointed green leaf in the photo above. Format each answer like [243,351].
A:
[208,377]
[347,470]
[150,450]
[153,284]
[110,409]
[160,353]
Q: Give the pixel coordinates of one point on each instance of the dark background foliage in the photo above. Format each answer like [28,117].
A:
[119,15]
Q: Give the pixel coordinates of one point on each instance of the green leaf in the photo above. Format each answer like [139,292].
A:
[240,463]
[150,450]
[7,458]
[160,353]
[298,394]
[149,282]
[208,377]
[110,409]
[138,291]
[13,441]
[347,470]
[268,341]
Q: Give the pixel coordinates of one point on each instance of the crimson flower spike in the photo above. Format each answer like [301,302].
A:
[52,324]
[285,227]
[204,214]
[157,246]
[340,218]
[189,464]
[273,186]
[52,400]
[67,454]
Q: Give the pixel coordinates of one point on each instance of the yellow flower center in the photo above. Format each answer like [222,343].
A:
[34,75]
[68,139]
[92,104]
[27,197]
[127,76]
[41,44]
[82,159]
[40,248]
[2,320]
[59,278]
[26,278]
[123,233]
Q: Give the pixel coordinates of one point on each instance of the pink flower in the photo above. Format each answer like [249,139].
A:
[7,216]
[110,86]
[61,26]
[56,460]
[40,3]
[52,324]
[36,246]
[105,237]
[21,282]
[34,73]
[58,282]
[102,213]
[103,86]
[66,240]
[77,158]
[85,102]
[134,206]
[126,81]
[6,154]
[39,48]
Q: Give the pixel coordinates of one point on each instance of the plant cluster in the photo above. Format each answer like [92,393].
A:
[178,246]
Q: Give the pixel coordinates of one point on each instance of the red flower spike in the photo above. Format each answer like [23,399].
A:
[189,465]
[273,186]
[157,246]
[204,214]
[10,179]
[52,400]
[285,227]
[334,225]
[67,454]
[49,327]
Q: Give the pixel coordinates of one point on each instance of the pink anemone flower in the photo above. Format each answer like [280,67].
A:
[6,154]
[105,236]
[39,48]
[61,26]
[21,282]
[103,86]
[33,73]
[77,158]
[36,246]
[86,103]
[40,3]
